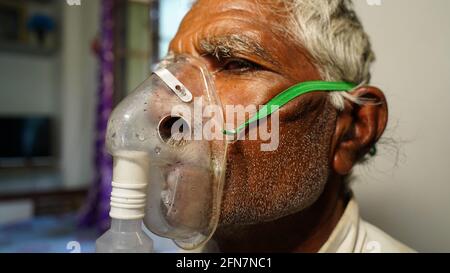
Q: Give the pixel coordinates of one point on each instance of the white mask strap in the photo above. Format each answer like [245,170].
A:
[173,83]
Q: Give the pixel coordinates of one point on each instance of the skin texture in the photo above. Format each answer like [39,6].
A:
[288,200]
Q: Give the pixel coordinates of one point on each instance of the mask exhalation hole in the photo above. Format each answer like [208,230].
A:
[174,130]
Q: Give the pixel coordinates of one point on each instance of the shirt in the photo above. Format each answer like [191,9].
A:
[354,235]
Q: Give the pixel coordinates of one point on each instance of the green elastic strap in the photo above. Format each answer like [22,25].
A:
[290,94]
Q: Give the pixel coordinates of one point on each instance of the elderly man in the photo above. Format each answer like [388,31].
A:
[293,199]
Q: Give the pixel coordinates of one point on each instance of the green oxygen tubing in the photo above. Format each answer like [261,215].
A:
[288,95]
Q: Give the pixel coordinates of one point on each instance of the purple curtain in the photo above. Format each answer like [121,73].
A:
[96,211]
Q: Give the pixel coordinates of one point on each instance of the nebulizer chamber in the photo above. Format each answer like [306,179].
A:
[166,173]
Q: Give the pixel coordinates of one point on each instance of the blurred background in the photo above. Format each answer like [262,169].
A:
[65,64]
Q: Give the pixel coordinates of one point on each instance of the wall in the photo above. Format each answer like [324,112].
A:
[409,196]
[138,37]
[171,14]
[29,84]
[28,77]
[77,103]
[62,85]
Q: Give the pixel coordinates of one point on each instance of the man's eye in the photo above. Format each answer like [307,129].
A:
[239,65]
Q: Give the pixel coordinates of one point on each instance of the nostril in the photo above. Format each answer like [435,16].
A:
[173,130]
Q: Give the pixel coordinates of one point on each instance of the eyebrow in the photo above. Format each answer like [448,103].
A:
[235,44]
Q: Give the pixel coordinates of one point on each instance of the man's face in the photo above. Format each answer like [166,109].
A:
[253,60]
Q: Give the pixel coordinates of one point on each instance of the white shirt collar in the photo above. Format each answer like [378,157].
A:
[347,236]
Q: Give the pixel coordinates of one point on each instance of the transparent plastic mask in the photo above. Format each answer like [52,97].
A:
[186,166]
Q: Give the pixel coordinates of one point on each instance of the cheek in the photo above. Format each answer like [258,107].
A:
[242,95]
[253,88]
[263,186]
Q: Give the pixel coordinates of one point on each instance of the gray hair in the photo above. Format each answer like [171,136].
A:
[335,38]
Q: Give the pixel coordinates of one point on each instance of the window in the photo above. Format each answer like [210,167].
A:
[171,14]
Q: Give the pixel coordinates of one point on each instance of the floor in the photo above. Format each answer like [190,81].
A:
[46,234]
[58,234]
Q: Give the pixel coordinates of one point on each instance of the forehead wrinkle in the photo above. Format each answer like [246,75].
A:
[230,45]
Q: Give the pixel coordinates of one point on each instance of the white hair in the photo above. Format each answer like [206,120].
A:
[335,38]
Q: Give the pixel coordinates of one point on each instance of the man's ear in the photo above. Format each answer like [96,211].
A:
[358,128]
